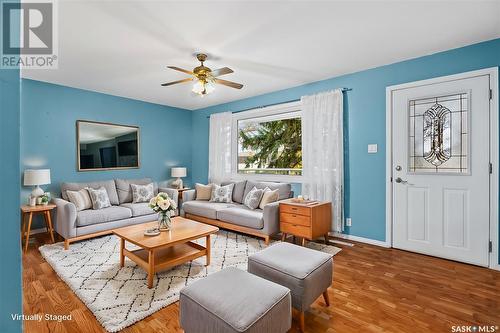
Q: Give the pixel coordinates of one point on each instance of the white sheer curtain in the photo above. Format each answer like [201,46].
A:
[219,160]
[322,151]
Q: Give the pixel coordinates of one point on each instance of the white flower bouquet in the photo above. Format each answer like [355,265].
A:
[165,207]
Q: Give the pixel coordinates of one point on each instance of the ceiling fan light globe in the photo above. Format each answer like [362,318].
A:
[209,87]
[198,87]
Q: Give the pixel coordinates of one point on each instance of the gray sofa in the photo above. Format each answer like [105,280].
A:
[236,216]
[75,226]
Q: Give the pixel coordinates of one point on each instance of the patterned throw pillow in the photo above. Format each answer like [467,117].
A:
[81,199]
[142,193]
[252,200]
[99,197]
[222,193]
[268,197]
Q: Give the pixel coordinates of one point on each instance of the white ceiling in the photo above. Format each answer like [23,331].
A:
[123,47]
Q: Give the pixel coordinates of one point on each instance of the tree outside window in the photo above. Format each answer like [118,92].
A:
[270,146]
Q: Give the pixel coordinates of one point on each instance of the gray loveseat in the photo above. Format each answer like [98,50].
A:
[236,216]
[75,226]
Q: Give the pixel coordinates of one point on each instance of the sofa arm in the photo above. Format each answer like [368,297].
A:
[271,218]
[172,193]
[65,223]
[188,195]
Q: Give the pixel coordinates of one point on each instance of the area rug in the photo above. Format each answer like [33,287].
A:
[119,297]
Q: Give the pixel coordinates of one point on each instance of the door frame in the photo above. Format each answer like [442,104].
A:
[494,154]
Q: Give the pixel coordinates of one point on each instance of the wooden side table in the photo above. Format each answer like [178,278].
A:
[308,221]
[30,211]
[181,190]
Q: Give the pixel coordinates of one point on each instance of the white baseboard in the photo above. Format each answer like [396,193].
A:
[496,267]
[360,239]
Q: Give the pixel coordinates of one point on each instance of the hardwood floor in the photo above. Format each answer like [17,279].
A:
[374,290]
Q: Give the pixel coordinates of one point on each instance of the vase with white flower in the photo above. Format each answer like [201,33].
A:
[165,207]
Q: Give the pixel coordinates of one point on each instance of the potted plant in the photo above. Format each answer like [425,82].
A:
[165,207]
[45,199]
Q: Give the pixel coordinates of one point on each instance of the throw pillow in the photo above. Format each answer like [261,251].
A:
[142,193]
[252,200]
[222,193]
[80,199]
[268,197]
[203,192]
[99,197]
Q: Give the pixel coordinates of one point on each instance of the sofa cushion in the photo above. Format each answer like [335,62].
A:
[238,190]
[243,216]
[142,193]
[113,213]
[252,199]
[203,192]
[81,199]
[138,209]
[109,185]
[204,208]
[268,197]
[124,189]
[222,193]
[284,189]
[99,197]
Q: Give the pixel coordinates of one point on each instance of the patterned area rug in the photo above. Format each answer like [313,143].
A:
[119,297]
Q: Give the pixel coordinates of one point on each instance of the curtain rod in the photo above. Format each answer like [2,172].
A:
[265,106]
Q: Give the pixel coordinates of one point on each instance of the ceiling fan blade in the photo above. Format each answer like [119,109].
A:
[221,71]
[229,83]
[175,82]
[181,70]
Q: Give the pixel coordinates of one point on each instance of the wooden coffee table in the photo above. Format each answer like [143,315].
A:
[169,248]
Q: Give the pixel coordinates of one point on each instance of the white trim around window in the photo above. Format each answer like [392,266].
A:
[273,112]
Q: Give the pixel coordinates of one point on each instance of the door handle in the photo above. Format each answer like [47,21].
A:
[401,181]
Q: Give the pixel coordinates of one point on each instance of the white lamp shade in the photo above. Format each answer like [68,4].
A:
[36,177]
[179,172]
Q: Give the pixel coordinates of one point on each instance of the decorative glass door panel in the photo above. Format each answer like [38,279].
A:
[438,134]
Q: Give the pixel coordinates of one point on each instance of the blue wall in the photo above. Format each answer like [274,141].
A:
[10,247]
[365,123]
[48,132]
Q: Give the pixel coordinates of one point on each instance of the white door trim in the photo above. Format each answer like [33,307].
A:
[494,146]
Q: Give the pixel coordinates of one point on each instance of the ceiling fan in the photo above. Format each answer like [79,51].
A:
[204,77]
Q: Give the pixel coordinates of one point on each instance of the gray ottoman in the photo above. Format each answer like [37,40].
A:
[233,300]
[307,273]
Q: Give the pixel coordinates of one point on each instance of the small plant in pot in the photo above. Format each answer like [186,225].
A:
[45,199]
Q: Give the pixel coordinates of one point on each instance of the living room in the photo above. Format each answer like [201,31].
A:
[324,166]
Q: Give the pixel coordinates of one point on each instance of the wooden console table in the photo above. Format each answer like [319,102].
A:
[30,211]
[308,221]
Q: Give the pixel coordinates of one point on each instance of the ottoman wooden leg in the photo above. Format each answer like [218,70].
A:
[302,321]
[326,297]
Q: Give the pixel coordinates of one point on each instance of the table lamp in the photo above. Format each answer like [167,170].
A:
[36,178]
[178,173]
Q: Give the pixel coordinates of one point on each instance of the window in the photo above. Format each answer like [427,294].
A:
[269,143]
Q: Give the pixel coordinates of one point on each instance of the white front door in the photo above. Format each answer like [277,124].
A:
[441,169]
